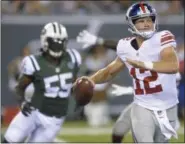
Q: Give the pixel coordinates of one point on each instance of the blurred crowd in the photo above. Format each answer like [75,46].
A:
[39,7]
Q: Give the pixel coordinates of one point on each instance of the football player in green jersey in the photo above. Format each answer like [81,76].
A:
[52,73]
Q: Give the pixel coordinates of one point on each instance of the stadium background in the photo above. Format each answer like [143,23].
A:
[21,23]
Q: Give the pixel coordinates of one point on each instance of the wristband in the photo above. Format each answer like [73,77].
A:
[149,65]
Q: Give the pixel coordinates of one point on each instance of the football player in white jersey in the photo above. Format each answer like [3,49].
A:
[123,124]
[152,62]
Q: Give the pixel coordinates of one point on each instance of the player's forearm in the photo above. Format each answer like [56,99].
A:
[101,76]
[24,81]
[19,93]
[166,67]
[163,67]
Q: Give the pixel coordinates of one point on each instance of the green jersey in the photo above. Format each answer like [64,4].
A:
[52,83]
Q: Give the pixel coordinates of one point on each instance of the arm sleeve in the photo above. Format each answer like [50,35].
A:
[77,57]
[27,66]
[120,50]
[167,39]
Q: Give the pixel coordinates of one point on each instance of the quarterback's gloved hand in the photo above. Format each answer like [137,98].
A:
[121,90]
[26,108]
[87,39]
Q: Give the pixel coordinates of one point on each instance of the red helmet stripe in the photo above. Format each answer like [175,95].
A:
[142,7]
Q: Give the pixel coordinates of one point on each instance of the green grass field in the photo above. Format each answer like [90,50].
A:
[106,138]
[79,131]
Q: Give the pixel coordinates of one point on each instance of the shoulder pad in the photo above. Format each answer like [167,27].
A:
[27,66]
[123,43]
[128,38]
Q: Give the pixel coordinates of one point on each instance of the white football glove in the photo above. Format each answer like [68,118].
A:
[121,90]
[87,39]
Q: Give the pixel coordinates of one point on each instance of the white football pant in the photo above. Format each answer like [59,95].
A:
[39,128]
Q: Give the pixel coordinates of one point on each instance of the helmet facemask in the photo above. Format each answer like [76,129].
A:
[56,47]
[143,34]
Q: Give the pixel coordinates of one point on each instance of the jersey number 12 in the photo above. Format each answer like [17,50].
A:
[146,82]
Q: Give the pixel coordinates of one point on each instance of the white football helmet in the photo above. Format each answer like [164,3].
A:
[54,39]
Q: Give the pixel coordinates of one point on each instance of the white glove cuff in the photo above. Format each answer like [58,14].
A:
[149,65]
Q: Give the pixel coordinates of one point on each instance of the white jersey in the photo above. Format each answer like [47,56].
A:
[152,90]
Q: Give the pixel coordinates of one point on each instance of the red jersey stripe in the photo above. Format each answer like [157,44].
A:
[167,38]
[167,42]
[167,34]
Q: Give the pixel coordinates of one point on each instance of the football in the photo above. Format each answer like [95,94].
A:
[83,91]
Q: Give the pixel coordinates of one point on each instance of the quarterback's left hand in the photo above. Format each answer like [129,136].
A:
[135,63]
[83,77]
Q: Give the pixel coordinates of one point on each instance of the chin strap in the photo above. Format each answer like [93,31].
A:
[144,35]
[132,32]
